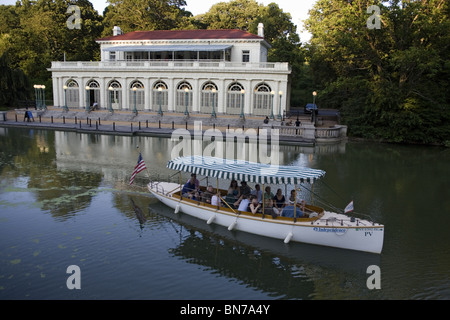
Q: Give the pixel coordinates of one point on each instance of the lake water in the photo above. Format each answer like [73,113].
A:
[65,200]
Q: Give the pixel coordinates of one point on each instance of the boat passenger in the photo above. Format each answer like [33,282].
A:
[197,196]
[207,195]
[233,189]
[279,202]
[258,193]
[197,183]
[189,189]
[289,212]
[300,202]
[244,189]
[269,208]
[268,194]
[233,193]
[255,206]
[215,200]
[243,203]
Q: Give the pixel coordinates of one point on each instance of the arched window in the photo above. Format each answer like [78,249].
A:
[93,85]
[72,94]
[184,96]
[234,98]
[160,96]
[263,99]
[115,94]
[137,90]
[94,92]
[208,97]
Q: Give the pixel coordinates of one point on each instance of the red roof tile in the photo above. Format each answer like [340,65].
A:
[183,35]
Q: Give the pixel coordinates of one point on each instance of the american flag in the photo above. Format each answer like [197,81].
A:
[139,167]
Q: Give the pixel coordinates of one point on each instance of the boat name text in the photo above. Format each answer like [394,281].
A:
[337,230]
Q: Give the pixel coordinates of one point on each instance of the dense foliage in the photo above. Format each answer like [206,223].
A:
[390,83]
[14,84]
[35,33]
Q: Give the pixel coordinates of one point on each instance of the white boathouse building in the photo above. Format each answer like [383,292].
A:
[177,71]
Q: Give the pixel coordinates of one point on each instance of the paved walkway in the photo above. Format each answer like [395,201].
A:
[144,123]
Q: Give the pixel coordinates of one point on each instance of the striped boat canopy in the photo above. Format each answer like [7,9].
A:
[244,170]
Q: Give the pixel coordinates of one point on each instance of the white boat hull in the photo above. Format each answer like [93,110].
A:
[333,230]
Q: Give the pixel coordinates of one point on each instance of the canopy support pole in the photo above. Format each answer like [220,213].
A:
[181,188]
[263,211]
[218,194]
[295,204]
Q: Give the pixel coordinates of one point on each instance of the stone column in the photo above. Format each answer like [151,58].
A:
[103,103]
[56,101]
[195,96]
[222,92]
[171,94]
[148,94]
[125,94]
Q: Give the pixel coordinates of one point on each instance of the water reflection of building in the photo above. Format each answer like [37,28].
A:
[115,156]
[42,143]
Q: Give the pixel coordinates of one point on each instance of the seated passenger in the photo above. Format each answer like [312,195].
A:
[258,193]
[300,202]
[207,195]
[244,189]
[189,189]
[197,196]
[279,202]
[268,194]
[243,203]
[233,193]
[269,208]
[290,212]
[255,206]
[215,200]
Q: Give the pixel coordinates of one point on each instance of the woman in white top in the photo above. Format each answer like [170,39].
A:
[243,204]
[215,200]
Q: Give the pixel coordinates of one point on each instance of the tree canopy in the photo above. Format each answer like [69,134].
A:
[132,15]
[392,82]
[35,33]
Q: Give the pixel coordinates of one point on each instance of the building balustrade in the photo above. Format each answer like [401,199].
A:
[172,64]
[331,134]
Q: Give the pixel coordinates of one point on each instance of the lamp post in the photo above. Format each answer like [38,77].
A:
[314,107]
[134,98]
[242,116]
[186,112]
[39,97]
[160,112]
[44,106]
[36,96]
[88,108]
[271,107]
[111,89]
[279,106]
[66,109]
[213,114]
